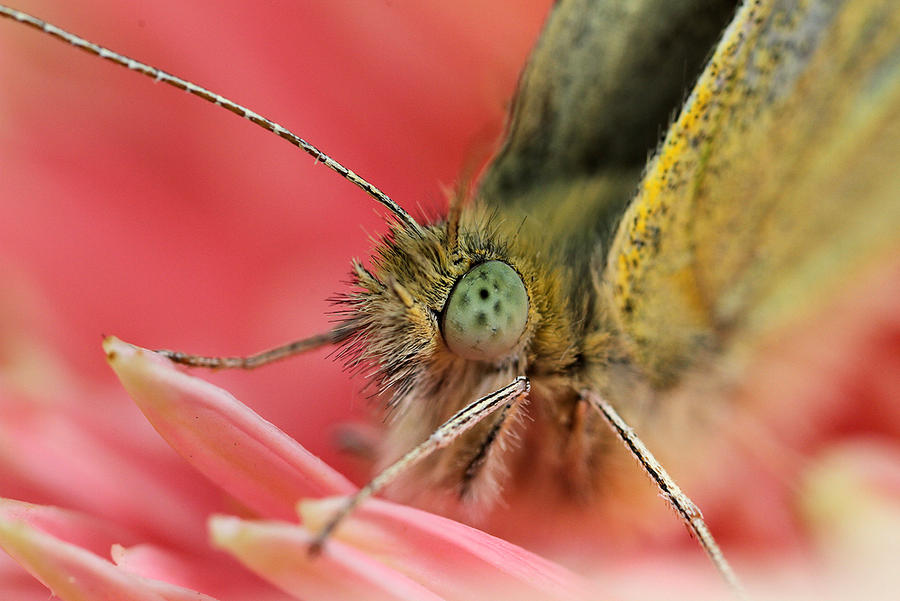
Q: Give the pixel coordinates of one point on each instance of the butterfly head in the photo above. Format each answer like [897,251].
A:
[445,302]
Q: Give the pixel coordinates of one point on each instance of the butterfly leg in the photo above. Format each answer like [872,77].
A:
[504,399]
[495,439]
[259,359]
[685,508]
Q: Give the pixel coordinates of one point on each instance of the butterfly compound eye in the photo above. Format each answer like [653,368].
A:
[486,313]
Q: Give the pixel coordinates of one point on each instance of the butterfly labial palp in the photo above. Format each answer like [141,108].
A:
[619,306]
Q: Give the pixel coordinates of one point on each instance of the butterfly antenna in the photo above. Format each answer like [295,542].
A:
[201,92]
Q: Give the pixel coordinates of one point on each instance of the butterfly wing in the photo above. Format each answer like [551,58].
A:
[775,184]
[600,87]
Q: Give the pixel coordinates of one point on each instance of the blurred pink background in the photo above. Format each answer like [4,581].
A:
[131,209]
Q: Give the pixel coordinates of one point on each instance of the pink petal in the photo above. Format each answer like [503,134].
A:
[16,583]
[35,529]
[151,561]
[213,573]
[85,531]
[70,572]
[452,559]
[111,474]
[150,564]
[222,438]
[171,592]
[278,552]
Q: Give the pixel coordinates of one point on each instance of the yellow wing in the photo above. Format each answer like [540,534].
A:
[776,183]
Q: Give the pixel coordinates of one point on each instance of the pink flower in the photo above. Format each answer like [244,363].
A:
[392,552]
[131,210]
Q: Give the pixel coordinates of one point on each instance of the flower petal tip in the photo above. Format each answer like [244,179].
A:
[223,529]
[118,351]
[315,513]
[112,346]
[224,439]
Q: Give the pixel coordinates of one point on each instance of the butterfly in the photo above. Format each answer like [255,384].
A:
[685,287]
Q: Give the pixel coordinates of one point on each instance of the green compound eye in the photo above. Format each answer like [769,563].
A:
[486,313]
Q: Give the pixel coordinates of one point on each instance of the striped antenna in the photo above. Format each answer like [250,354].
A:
[201,92]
